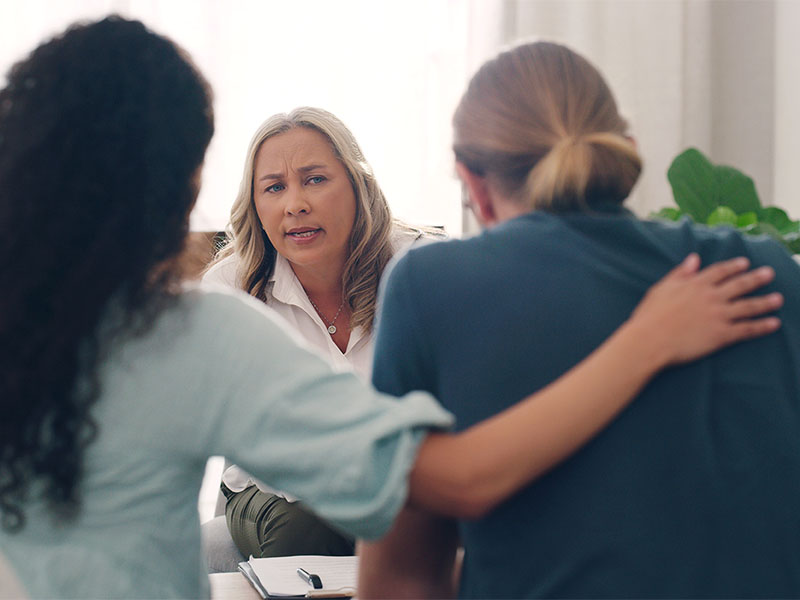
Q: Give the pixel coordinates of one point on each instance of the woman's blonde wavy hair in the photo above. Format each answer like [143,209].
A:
[540,121]
[370,240]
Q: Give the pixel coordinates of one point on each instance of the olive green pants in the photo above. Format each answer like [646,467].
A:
[264,525]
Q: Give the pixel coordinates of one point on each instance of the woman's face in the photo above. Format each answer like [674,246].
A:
[304,199]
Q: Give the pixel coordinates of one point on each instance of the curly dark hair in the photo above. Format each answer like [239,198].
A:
[103,130]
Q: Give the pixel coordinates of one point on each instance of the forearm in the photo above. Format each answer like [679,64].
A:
[467,474]
[416,559]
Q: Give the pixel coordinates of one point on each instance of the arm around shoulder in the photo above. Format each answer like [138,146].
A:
[686,315]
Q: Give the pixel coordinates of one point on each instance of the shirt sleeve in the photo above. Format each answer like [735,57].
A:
[325,437]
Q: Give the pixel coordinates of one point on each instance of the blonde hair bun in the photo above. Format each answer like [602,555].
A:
[540,119]
[581,170]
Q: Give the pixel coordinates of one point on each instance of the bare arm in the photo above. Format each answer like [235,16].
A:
[688,314]
[416,559]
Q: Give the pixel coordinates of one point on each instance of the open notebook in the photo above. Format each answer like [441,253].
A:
[278,577]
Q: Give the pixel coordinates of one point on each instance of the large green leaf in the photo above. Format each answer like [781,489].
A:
[778,219]
[693,182]
[792,241]
[722,215]
[668,212]
[768,229]
[746,219]
[735,189]
[720,195]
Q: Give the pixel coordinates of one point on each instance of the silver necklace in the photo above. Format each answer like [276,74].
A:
[331,326]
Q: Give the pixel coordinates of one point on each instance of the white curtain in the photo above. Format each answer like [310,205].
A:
[720,75]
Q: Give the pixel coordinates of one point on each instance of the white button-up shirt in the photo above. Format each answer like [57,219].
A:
[285,294]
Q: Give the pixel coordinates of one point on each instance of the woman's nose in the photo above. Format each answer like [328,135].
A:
[297,203]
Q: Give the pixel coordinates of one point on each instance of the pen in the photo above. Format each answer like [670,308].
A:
[311,579]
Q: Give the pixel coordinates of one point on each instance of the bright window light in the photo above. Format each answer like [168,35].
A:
[392,71]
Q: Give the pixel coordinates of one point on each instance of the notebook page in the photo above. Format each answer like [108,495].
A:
[279,575]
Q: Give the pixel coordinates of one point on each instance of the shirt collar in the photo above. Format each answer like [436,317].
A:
[284,286]
[597,208]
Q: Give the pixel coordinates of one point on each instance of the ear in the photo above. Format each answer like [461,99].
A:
[480,195]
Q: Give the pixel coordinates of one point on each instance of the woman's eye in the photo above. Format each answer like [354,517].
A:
[275,187]
[316,179]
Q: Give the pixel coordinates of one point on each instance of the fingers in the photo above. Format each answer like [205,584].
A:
[745,283]
[689,265]
[721,271]
[746,330]
[755,306]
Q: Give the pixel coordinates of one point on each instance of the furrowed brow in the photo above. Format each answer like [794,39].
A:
[309,168]
[270,176]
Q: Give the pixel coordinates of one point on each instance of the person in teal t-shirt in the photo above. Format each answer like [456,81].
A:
[692,492]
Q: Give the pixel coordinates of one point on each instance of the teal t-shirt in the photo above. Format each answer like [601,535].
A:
[692,492]
[217,374]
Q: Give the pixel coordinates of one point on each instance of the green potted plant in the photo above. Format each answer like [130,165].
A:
[719,195]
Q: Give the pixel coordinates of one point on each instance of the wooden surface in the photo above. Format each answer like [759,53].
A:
[231,586]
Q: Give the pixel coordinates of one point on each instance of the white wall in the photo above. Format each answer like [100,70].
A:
[786,119]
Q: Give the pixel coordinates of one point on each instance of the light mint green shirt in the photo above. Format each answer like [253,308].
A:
[218,374]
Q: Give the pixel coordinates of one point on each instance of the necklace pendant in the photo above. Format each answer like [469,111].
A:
[331,329]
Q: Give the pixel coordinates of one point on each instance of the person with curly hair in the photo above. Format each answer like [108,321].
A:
[117,383]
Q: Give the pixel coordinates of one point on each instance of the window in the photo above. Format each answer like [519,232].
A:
[392,71]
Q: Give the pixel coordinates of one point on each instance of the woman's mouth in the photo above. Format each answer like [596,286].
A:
[303,233]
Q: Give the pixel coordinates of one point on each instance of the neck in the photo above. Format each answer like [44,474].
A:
[506,209]
[323,285]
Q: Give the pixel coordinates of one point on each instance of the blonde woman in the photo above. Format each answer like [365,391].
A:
[693,490]
[319,268]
